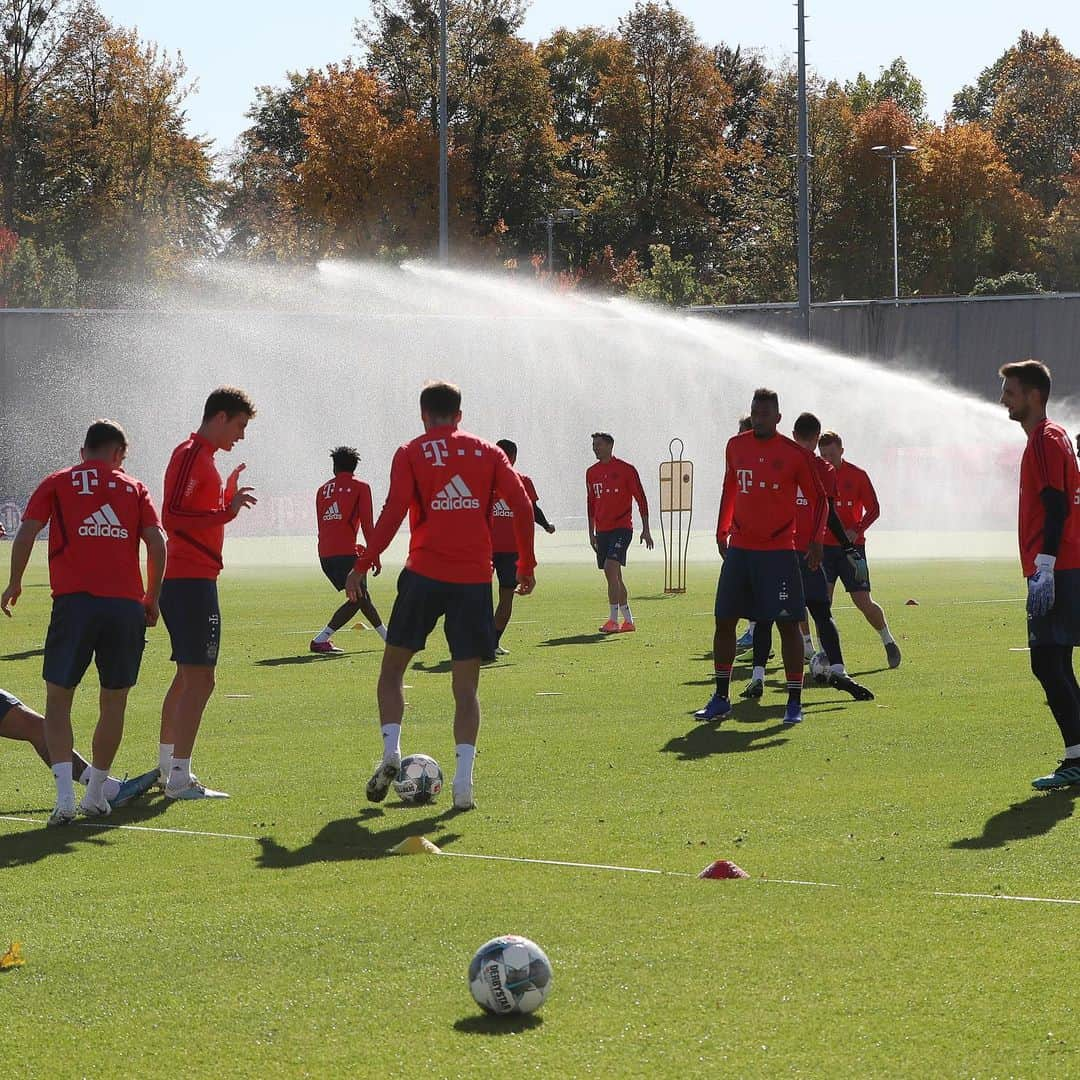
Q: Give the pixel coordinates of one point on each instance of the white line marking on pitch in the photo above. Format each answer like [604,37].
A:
[559,862]
[134,828]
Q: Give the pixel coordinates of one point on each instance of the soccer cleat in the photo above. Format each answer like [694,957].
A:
[610,627]
[892,653]
[379,784]
[627,628]
[809,652]
[132,789]
[61,815]
[793,714]
[327,648]
[745,642]
[500,651]
[463,797]
[718,708]
[1065,774]
[192,790]
[92,809]
[753,689]
[850,686]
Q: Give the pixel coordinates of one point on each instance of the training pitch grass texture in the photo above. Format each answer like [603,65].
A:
[308,951]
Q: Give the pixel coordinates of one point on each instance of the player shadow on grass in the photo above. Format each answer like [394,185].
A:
[28,654]
[1032,817]
[299,658]
[349,838]
[704,740]
[576,639]
[486,1024]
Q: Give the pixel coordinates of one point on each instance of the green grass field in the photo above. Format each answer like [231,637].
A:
[296,946]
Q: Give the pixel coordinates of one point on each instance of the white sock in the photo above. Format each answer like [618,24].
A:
[808,641]
[758,673]
[65,788]
[325,634]
[1072,752]
[627,617]
[614,617]
[464,753]
[111,788]
[391,741]
[750,627]
[180,773]
[886,637]
[95,783]
[164,759]
[381,630]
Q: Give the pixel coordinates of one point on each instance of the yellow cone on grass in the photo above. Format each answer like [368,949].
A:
[416,845]
[13,957]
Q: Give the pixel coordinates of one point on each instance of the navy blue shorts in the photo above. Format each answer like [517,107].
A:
[814,585]
[836,566]
[505,563]
[613,544]
[1061,625]
[192,616]
[466,611]
[338,567]
[105,629]
[765,586]
[7,703]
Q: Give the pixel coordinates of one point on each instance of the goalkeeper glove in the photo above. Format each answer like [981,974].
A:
[1041,586]
[857,562]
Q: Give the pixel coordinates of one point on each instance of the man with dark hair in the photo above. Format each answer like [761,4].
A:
[98,514]
[1049,534]
[504,553]
[342,506]
[755,533]
[857,505]
[447,481]
[612,486]
[197,507]
[805,432]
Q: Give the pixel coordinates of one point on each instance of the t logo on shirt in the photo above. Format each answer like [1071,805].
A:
[85,480]
[598,490]
[745,479]
[435,451]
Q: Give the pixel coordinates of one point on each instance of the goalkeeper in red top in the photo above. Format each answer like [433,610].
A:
[858,508]
[447,481]
[612,486]
[504,545]
[1049,533]
[342,506]
[97,516]
[197,507]
[755,532]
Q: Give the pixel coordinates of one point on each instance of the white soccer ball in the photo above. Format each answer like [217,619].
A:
[820,668]
[510,974]
[419,780]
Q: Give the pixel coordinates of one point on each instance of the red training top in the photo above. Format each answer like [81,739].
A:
[1048,461]
[97,515]
[194,511]
[342,506]
[804,512]
[446,480]
[611,486]
[502,519]
[856,500]
[761,482]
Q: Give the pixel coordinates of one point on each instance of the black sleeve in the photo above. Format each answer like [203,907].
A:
[538,516]
[1057,510]
[836,526]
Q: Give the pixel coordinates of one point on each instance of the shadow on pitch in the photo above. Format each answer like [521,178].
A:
[486,1024]
[869,671]
[306,658]
[704,740]
[350,838]
[29,654]
[1032,817]
[577,639]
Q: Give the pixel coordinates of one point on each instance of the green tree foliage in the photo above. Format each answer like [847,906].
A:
[1010,284]
[668,281]
[895,83]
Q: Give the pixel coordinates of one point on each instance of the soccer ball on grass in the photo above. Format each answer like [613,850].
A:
[820,668]
[509,974]
[419,780]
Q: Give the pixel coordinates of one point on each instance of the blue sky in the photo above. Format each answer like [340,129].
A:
[232,46]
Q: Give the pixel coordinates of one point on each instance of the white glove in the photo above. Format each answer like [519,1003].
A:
[1041,586]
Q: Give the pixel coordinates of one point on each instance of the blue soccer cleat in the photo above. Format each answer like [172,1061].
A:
[1064,775]
[135,788]
[793,714]
[745,642]
[719,708]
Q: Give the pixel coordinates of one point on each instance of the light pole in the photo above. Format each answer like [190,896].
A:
[565,213]
[444,218]
[894,154]
[803,173]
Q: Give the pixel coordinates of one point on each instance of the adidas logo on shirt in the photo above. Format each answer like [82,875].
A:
[103,522]
[501,509]
[333,512]
[455,496]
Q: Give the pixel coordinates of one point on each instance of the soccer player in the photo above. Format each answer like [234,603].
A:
[343,505]
[613,486]
[447,481]
[1049,533]
[98,514]
[196,509]
[504,545]
[755,533]
[857,505]
[806,430]
[747,639]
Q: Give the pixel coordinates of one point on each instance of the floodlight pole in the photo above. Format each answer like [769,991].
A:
[803,180]
[894,154]
[444,214]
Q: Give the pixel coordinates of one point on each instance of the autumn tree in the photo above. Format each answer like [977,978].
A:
[895,83]
[1059,257]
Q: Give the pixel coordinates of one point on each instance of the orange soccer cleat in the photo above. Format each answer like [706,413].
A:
[610,627]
